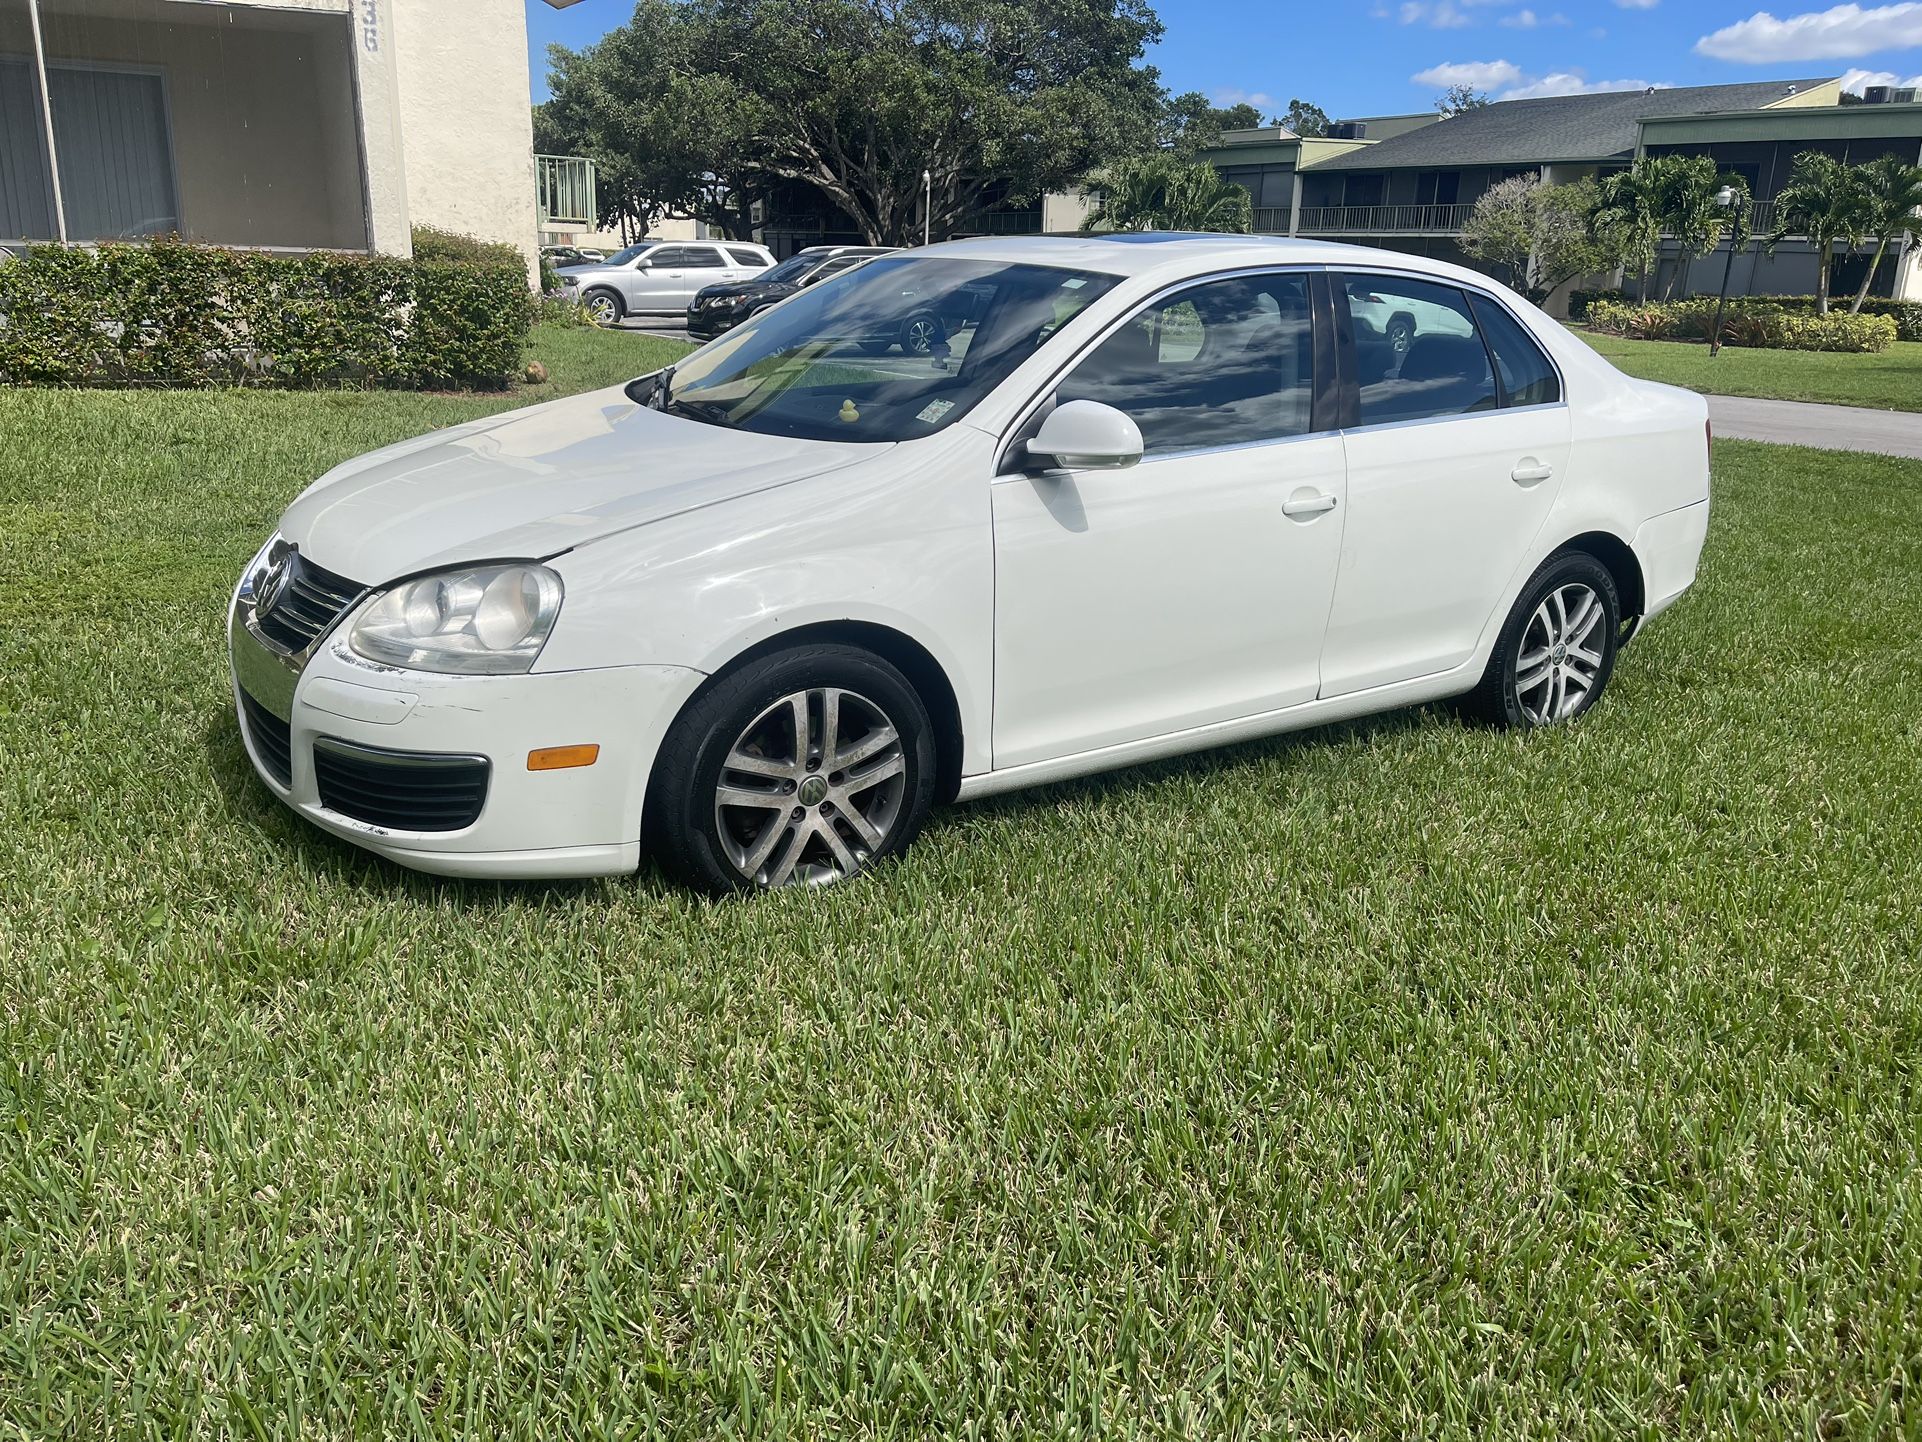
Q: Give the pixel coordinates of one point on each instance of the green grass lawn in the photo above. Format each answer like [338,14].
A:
[1396,1079]
[1890,380]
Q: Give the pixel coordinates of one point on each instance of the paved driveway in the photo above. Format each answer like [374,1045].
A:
[1829,428]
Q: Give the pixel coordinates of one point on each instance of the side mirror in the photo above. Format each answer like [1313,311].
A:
[1086,436]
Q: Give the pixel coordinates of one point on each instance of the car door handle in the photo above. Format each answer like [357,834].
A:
[1530,471]
[1308,505]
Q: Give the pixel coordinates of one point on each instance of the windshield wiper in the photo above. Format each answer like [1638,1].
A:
[709,412]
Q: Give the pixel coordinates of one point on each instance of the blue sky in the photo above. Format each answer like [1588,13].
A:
[1361,57]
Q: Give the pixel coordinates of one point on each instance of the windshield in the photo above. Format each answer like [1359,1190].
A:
[631,254]
[893,349]
[791,269]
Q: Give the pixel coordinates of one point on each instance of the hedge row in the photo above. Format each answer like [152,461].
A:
[1747,323]
[1907,314]
[174,314]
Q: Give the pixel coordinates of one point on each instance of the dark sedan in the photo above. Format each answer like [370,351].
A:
[719,308]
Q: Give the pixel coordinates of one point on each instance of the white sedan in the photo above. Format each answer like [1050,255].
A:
[755,614]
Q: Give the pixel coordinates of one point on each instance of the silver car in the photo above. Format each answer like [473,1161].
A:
[659,277]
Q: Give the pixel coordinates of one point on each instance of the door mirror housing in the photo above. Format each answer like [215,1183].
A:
[1085,436]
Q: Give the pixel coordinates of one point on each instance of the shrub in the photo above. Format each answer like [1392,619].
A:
[434,244]
[1580,300]
[560,310]
[1907,314]
[188,315]
[1747,323]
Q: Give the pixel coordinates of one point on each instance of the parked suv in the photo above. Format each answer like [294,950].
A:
[721,307]
[659,277]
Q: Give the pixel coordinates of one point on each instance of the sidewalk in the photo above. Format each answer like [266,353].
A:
[1829,428]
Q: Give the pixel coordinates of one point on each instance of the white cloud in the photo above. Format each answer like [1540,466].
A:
[1856,81]
[1508,81]
[1436,14]
[1569,83]
[1842,32]
[1638,4]
[1529,20]
[1260,99]
[1480,74]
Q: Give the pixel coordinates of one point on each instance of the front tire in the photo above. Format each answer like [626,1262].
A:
[808,766]
[604,307]
[1557,649]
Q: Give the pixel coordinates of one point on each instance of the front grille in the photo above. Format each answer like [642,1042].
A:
[309,601]
[272,737]
[400,790]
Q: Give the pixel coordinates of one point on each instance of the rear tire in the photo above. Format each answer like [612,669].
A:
[1557,648]
[808,766]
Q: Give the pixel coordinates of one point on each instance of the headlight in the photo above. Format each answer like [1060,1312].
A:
[482,621]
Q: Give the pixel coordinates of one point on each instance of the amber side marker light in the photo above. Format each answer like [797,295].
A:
[560,758]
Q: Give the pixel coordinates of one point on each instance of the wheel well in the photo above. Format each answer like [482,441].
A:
[1616,554]
[907,656]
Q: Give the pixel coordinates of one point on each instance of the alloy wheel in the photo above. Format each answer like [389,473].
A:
[603,310]
[921,335]
[1560,660]
[811,790]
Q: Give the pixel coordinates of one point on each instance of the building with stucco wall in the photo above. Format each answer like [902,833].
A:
[281,124]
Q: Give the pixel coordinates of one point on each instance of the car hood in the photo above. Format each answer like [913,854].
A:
[536,482]
[756,288]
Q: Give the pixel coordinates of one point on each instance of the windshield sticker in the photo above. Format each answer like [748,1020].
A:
[1074,284]
[933,411]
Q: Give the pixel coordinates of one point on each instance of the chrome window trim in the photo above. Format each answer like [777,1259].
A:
[1005,446]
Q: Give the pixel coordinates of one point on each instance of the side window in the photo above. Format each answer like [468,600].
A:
[1417,352]
[667,257]
[1528,379]
[835,267]
[702,257]
[747,258]
[1215,365]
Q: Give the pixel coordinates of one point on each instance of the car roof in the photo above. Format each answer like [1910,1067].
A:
[1164,253]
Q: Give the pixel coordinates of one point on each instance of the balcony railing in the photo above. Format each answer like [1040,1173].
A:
[1404,219]
[564,185]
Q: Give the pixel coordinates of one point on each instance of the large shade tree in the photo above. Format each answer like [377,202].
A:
[723,100]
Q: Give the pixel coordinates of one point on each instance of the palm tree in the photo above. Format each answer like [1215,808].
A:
[1159,192]
[1628,216]
[1823,201]
[1891,191]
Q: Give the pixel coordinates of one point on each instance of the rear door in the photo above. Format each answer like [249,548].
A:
[1457,436]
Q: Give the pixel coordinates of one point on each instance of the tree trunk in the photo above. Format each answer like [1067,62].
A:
[1869,279]
[1824,258]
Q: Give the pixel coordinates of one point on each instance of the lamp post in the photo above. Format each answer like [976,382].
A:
[927,204]
[1724,200]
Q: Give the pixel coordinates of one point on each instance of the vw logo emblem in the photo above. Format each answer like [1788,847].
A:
[814,791]
[272,582]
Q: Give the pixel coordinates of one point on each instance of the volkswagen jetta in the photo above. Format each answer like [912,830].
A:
[756,613]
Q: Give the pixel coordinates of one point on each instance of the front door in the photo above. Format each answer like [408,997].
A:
[1191,588]
[1453,465]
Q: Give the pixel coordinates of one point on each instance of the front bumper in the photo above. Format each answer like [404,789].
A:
[706,324]
[583,821]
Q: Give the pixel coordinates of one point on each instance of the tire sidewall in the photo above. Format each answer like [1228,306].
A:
[683,830]
[1556,572]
